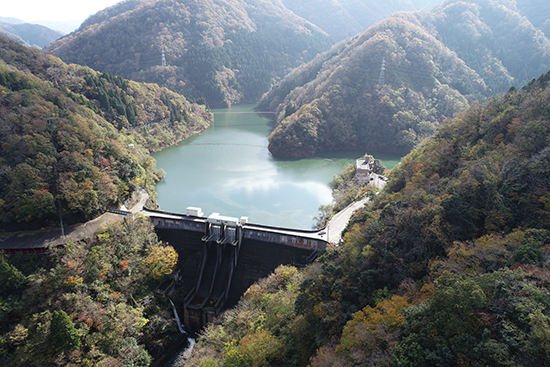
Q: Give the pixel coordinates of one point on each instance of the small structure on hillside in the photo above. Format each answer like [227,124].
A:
[364,167]
[365,170]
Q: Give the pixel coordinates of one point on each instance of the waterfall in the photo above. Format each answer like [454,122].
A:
[181,327]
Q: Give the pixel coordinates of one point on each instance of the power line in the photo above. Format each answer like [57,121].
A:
[230,144]
[239,112]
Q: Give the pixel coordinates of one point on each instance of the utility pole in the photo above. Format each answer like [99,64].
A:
[59,204]
[163,59]
[382,69]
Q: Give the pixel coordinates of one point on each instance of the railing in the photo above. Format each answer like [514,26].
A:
[118,211]
[27,251]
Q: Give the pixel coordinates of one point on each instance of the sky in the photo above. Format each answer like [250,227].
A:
[52,10]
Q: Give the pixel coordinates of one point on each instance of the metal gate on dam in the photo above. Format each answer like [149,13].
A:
[221,257]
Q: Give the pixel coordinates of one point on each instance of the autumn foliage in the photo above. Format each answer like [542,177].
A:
[447,266]
[74,141]
[161,261]
[393,85]
[78,305]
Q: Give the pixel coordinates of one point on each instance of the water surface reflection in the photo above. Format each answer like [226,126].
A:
[228,169]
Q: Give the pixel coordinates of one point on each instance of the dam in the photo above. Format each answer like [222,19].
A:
[221,257]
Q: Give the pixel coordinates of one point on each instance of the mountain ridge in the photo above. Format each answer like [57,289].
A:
[30,34]
[429,74]
[342,19]
[224,53]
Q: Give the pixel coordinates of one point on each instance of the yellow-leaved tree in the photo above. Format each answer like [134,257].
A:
[161,261]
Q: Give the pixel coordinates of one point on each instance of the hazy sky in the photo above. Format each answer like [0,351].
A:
[57,10]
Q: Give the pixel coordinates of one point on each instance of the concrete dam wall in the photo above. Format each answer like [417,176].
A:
[216,272]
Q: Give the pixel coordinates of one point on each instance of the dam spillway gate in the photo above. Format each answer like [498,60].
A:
[221,257]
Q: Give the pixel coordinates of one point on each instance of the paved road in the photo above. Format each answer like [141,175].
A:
[144,196]
[340,220]
[41,238]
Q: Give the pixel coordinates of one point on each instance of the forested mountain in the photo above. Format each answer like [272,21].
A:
[72,140]
[493,38]
[346,18]
[226,52]
[29,34]
[448,265]
[434,63]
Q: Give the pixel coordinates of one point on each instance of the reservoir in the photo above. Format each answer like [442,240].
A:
[229,170]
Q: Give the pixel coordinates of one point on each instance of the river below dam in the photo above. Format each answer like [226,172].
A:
[228,169]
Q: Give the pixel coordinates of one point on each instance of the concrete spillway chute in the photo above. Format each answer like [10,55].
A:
[221,251]
[213,233]
[229,236]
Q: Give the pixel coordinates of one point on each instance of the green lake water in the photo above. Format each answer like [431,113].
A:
[228,169]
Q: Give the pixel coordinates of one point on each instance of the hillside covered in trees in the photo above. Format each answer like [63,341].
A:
[225,52]
[78,306]
[342,99]
[447,266]
[346,18]
[73,141]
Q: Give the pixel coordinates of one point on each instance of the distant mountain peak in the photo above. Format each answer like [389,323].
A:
[226,52]
[30,34]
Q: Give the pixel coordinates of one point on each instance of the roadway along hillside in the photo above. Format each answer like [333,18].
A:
[340,220]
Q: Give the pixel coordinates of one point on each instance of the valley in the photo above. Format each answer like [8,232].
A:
[260,109]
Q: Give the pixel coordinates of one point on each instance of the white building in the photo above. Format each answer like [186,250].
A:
[364,167]
[364,170]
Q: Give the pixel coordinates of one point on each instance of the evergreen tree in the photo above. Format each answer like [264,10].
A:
[11,277]
[63,333]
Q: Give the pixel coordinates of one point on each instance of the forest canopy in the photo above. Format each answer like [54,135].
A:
[448,265]
[392,86]
[224,52]
[79,305]
[73,141]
